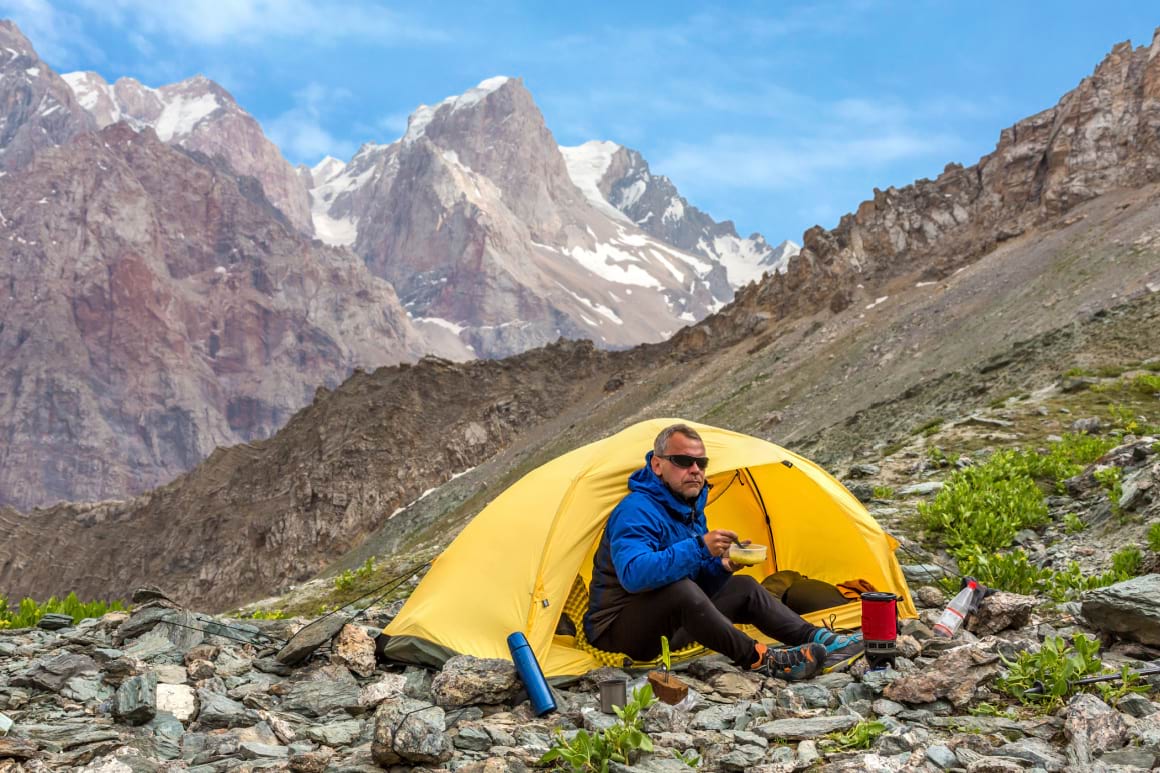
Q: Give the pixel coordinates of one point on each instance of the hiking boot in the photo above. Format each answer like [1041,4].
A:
[842,649]
[793,664]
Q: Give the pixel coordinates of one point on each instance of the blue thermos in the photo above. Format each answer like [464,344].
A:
[529,670]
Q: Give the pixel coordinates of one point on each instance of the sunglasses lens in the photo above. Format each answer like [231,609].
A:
[685,462]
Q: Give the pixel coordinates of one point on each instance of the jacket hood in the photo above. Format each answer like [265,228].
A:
[645,481]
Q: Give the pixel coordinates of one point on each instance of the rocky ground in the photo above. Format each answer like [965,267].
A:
[145,691]
[163,688]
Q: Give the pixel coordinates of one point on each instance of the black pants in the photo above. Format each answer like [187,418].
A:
[684,613]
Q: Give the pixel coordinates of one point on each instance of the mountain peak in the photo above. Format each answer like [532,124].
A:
[419,120]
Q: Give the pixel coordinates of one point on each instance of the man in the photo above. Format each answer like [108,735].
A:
[659,571]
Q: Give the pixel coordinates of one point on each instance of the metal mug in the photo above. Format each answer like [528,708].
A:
[613,692]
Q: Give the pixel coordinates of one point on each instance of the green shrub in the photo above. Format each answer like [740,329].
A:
[929,427]
[1073,524]
[860,736]
[986,505]
[884,492]
[349,579]
[1055,666]
[620,743]
[28,612]
[1111,478]
[1013,572]
[1154,537]
[1126,563]
[1123,419]
[1146,383]
[938,458]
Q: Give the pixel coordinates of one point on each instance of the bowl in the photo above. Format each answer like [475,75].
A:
[747,555]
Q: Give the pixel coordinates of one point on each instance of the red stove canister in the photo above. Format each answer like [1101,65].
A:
[880,628]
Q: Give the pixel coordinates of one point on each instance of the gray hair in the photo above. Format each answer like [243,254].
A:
[673,429]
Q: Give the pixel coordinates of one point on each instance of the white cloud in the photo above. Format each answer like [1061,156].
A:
[55,34]
[252,21]
[299,132]
[779,162]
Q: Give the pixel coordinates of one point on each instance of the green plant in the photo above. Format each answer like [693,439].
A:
[666,655]
[1111,478]
[1126,563]
[1130,682]
[1073,524]
[622,742]
[349,579]
[28,612]
[1123,419]
[938,458]
[1055,666]
[265,614]
[985,505]
[985,709]
[1014,572]
[929,427]
[1146,383]
[1154,537]
[690,758]
[860,736]
[883,492]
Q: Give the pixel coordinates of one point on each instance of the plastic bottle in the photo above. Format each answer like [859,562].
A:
[529,670]
[952,617]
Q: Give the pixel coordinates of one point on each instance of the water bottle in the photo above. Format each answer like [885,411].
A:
[529,670]
[956,612]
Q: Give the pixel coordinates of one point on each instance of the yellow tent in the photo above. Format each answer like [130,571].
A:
[513,567]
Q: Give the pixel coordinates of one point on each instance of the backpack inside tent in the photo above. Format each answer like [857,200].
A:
[529,552]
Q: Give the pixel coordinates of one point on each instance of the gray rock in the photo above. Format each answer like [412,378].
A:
[252,750]
[807,754]
[136,699]
[719,717]
[1092,727]
[887,708]
[801,729]
[317,699]
[920,574]
[743,757]
[921,489]
[412,731]
[954,676]
[942,757]
[342,733]
[466,680]
[1133,759]
[473,739]
[1037,752]
[217,710]
[54,622]
[1001,611]
[167,732]
[52,674]
[1090,425]
[86,688]
[1136,705]
[1129,609]
[864,471]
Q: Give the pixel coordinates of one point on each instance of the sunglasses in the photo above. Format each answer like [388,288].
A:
[684,461]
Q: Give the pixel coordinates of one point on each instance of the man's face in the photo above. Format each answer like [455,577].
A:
[683,482]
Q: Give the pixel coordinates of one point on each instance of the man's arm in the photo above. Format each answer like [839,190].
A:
[641,563]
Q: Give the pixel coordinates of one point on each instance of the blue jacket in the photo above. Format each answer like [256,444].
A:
[652,539]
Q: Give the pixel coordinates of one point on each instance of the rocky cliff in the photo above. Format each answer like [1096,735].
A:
[37,108]
[474,219]
[157,307]
[618,179]
[200,115]
[1102,136]
[261,515]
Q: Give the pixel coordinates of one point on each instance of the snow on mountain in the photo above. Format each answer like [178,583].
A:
[477,217]
[616,178]
[587,165]
[200,115]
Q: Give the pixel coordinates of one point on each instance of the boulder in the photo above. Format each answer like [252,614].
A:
[1129,609]
[466,680]
[410,731]
[954,676]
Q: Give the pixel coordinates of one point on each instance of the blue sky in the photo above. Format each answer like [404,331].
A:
[777,115]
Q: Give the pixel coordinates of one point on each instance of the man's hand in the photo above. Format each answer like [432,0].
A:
[718,541]
[730,567]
